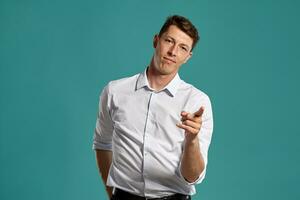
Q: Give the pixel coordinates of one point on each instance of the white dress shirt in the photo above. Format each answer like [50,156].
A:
[138,125]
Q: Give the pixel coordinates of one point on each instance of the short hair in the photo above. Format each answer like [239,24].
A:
[183,24]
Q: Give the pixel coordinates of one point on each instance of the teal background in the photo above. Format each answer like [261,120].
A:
[56,56]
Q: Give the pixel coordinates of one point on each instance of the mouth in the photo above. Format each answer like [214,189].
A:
[169,59]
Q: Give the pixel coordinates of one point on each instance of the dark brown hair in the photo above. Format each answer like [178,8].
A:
[183,24]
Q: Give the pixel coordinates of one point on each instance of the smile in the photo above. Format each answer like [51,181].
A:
[169,59]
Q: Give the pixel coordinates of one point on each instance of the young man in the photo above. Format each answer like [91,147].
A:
[153,129]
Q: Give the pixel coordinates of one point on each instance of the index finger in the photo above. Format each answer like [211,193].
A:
[199,112]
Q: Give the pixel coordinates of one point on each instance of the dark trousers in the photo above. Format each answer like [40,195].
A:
[123,195]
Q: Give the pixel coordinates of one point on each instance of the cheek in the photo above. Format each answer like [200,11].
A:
[157,51]
[163,50]
[157,56]
[185,59]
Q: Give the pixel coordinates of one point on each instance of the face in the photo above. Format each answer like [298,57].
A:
[172,49]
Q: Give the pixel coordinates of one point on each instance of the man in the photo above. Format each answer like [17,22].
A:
[153,129]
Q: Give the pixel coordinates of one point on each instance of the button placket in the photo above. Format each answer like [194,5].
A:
[146,141]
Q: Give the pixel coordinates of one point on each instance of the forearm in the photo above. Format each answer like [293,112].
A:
[192,163]
[104,159]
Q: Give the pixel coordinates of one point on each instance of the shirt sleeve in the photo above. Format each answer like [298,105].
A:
[104,126]
[204,136]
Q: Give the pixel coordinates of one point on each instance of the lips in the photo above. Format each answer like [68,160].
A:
[169,59]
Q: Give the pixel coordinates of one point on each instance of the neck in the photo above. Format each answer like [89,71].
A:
[156,80]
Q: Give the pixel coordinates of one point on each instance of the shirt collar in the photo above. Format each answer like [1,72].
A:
[171,88]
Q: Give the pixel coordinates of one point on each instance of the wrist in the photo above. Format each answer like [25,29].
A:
[191,139]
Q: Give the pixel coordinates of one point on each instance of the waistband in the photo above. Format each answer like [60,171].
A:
[123,195]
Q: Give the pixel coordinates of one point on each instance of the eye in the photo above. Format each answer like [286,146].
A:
[184,48]
[168,40]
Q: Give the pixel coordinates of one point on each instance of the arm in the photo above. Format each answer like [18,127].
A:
[104,158]
[192,162]
[103,138]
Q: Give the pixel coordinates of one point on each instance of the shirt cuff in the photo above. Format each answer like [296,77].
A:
[197,181]
[102,146]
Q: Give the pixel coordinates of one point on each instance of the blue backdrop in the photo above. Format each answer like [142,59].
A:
[56,56]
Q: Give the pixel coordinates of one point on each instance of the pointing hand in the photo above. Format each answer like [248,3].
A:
[191,123]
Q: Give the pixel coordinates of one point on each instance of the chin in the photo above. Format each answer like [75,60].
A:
[167,70]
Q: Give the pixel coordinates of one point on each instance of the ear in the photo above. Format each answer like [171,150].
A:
[155,40]
[188,57]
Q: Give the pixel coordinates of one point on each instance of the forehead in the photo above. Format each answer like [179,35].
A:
[180,36]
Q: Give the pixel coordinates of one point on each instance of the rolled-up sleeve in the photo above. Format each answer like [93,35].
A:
[104,126]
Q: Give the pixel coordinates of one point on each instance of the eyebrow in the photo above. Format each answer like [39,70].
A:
[175,41]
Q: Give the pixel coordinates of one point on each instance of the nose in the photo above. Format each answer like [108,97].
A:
[172,51]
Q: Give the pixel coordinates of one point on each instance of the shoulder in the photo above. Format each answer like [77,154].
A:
[192,91]
[122,84]
[195,98]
